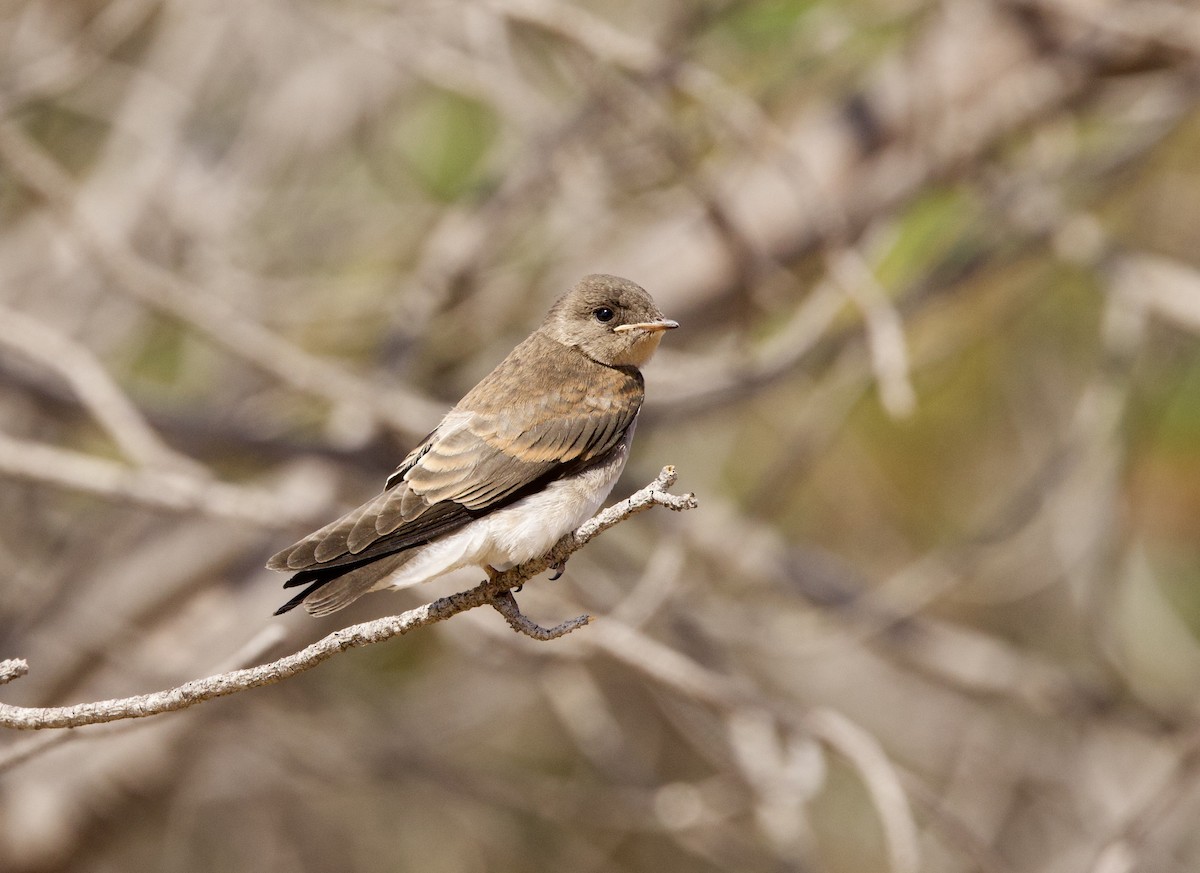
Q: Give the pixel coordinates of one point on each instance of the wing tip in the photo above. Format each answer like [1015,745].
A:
[279,561]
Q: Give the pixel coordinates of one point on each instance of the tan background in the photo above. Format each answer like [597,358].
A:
[937,389]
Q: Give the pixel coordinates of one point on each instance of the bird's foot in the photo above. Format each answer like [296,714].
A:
[493,574]
[559,567]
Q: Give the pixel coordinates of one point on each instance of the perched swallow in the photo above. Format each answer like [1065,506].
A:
[525,457]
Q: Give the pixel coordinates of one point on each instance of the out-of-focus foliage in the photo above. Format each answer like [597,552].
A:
[937,390]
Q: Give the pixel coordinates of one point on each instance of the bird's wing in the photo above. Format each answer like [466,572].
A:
[477,460]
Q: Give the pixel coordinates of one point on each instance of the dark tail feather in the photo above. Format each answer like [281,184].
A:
[299,598]
[314,578]
[339,585]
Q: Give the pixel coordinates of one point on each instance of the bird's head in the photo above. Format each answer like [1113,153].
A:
[609,319]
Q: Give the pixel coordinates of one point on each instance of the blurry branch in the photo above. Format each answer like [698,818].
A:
[95,389]
[1162,286]
[162,489]
[701,383]
[965,83]
[644,59]
[1123,848]
[1175,26]
[854,744]
[367,633]
[885,331]
[64,63]
[880,778]
[166,479]
[705,383]
[590,32]
[174,296]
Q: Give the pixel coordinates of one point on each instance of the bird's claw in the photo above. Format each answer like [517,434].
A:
[559,567]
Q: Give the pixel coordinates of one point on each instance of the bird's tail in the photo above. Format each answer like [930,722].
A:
[337,587]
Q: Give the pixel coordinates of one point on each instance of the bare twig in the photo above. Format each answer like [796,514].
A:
[164,291]
[161,489]
[699,383]
[220,685]
[1129,841]
[13,668]
[1169,289]
[18,753]
[884,330]
[881,780]
[505,604]
[697,682]
[94,387]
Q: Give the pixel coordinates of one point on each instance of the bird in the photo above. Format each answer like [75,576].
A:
[525,457]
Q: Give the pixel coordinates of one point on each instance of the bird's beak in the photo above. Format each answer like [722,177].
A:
[648,326]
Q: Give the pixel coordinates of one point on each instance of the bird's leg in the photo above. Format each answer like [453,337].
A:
[559,567]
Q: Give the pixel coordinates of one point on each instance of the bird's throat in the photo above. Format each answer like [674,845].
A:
[641,351]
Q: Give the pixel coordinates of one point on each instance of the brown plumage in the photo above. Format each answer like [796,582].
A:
[536,444]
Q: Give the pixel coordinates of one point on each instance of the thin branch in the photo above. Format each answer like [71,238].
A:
[881,780]
[863,752]
[160,489]
[1167,288]
[13,668]
[220,685]
[884,330]
[18,753]
[505,604]
[1129,842]
[94,387]
[707,382]
[170,294]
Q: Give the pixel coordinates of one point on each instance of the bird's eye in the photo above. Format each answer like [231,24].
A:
[603,314]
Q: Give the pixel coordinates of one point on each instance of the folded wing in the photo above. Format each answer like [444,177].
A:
[477,460]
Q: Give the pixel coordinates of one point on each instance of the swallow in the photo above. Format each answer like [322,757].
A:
[525,457]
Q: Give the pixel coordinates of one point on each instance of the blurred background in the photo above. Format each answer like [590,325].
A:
[937,391]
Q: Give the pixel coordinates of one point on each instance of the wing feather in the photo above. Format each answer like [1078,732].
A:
[506,436]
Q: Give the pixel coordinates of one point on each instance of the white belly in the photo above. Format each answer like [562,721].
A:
[517,533]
